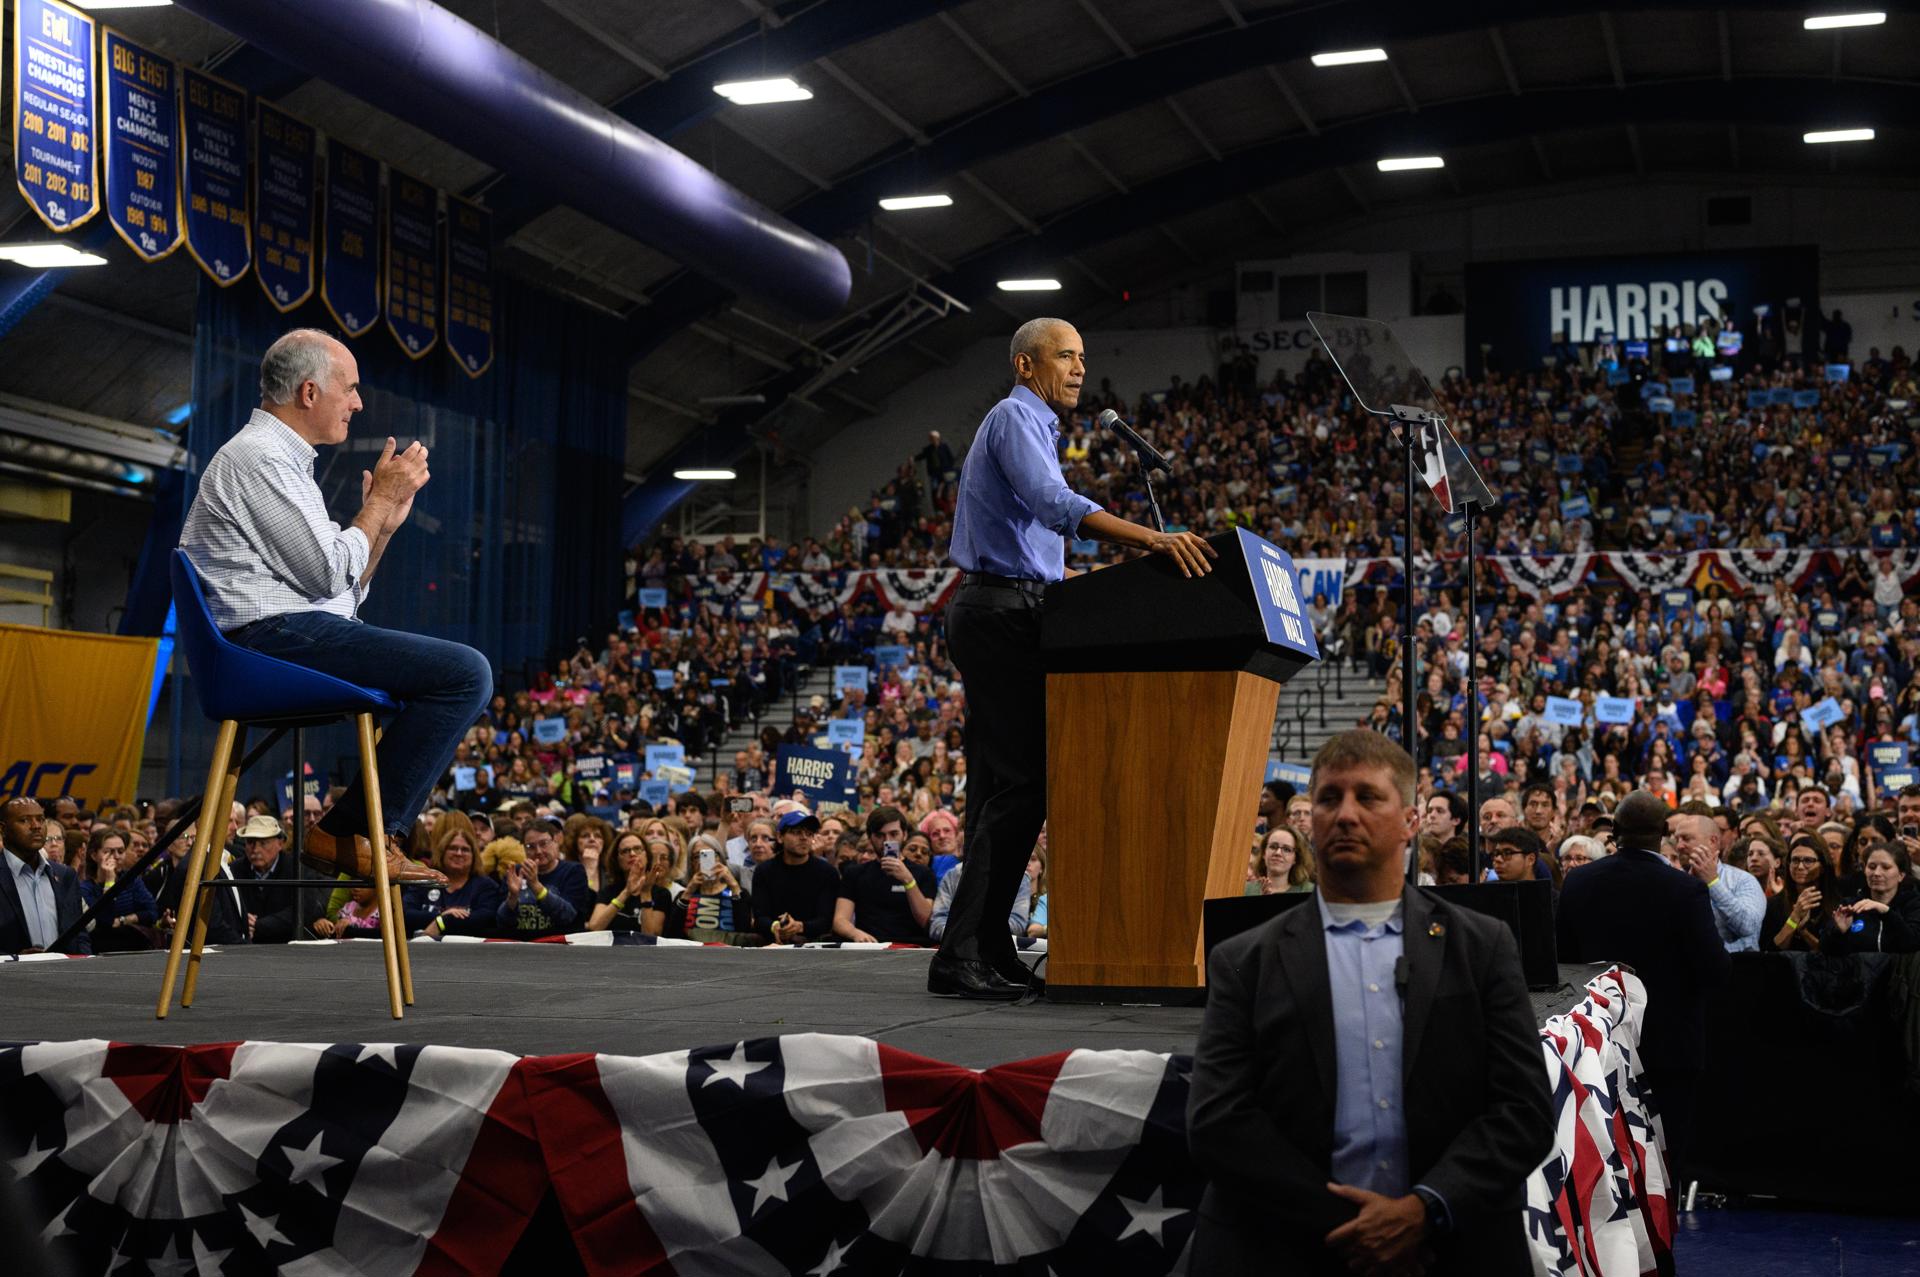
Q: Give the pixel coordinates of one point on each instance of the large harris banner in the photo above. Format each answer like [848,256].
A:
[47,750]
[213,142]
[413,263]
[283,207]
[469,286]
[142,160]
[53,136]
[350,267]
[1517,307]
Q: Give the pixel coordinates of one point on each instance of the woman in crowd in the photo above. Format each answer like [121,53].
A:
[1286,864]
[134,910]
[1838,840]
[1762,858]
[636,899]
[468,903]
[56,850]
[714,907]
[1037,894]
[1796,917]
[1886,917]
[1579,850]
[762,845]
[586,838]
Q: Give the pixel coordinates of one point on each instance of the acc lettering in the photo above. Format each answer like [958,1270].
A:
[23,778]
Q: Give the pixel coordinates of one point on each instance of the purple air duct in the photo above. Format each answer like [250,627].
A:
[415,60]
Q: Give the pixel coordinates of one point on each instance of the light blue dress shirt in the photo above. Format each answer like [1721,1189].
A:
[1369,1126]
[1739,905]
[1014,504]
[35,886]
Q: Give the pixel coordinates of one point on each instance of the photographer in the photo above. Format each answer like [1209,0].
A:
[887,899]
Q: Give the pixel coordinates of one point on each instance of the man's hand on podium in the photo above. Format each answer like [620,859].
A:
[1185,549]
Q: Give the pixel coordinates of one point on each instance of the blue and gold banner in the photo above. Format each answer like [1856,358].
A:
[53,100]
[140,164]
[350,262]
[283,206]
[213,182]
[413,263]
[469,286]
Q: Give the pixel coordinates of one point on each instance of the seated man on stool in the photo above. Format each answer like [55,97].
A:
[285,580]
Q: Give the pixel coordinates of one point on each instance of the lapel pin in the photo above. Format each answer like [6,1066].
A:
[1437,929]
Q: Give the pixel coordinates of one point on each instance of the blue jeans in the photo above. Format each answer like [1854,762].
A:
[443,686]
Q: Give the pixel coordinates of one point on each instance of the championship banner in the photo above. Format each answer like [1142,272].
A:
[283,206]
[53,101]
[469,286]
[47,750]
[412,242]
[141,161]
[213,155]
[350,265]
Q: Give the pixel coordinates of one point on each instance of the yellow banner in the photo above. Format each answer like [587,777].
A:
[73,714]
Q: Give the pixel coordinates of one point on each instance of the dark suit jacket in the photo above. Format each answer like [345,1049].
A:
[1634,907]
[1260,1112]
[66,902]
[225,925]
[280,913]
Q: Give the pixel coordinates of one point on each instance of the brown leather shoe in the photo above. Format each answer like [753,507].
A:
[335,855]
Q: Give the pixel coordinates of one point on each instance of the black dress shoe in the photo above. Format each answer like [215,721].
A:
[970,979]
[1016,972]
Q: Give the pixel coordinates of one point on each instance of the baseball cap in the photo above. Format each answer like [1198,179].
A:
[799,820]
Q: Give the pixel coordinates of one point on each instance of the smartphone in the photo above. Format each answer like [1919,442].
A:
[1910,831]
[890,849]
[706,860]
[739,804]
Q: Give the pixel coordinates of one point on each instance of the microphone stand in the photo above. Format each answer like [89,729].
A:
[1153,505]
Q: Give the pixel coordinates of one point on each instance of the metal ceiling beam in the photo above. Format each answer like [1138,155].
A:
[1506,62]
[1206,143]
[1406,90]
[1293,100]
[979,51]
[1726,44]
[1613,50]
[590,26]
[1108,29]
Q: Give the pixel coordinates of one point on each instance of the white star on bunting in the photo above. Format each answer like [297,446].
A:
[310,1163]
[205,1258]
[387,1051]
[736,1068]
[29,1161]
[265,1228]
[831,1261]
[1149,1217]
[170,1262]
[771,1184]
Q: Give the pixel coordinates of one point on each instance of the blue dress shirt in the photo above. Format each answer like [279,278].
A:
[37,907]
[1369,1126]
[1014,504]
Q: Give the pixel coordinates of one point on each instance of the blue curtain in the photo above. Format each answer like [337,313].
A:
[514,546]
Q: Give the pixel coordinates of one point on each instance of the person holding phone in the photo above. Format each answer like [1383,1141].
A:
[888,899]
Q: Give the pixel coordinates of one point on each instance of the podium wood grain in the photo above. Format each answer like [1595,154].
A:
[1153,780]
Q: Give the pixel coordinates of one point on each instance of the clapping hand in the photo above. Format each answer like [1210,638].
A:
[396,479]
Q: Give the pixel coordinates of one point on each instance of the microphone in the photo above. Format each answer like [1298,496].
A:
[1131,437]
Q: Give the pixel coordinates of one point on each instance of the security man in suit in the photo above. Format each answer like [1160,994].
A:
[1635,907]
[38,898]
[1368,1090]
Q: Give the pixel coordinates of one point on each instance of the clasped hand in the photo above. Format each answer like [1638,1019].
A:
[1386,1237]
[394,480]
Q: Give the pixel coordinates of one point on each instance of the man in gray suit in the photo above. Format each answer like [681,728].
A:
[38,898]
[1369,1093]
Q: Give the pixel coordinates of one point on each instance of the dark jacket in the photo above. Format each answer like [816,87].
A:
[225,924]
[280,913]
[1634,907]
[1895,931]
[1260,1111]
[66,904]
[807,892]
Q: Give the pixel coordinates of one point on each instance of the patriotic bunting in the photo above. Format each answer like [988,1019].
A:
[916,590]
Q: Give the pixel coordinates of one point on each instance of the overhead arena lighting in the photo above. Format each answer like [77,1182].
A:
[1348,57]
[1834,21]
[1405,162]
[48,256]
[705,474]
[758,92]
[901,203]
[120,4]
[1029,285]
[1838,135]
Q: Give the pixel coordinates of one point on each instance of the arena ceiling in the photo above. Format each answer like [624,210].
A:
[1117,145]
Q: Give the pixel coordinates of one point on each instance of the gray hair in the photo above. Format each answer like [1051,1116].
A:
[297,357]
[1028,336]
[1596,850]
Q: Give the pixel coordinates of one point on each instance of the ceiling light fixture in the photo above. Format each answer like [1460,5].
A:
[759,92]
[1029,285]
[1834,21]
[901,203]
[48,256]
[704,474]
[1349,57]
[1406,162]
[120,4]
[1838,135]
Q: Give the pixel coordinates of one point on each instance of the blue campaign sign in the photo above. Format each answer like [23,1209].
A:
[850,676]
[653,596]
[1823,715]
[53,133]
[1686,417]
[1781,395]
[1575,508]
[1660,515]
[1839,372]
[1671,601]
[846,731]
[1540,453]
[592,768]
[350,260]
[1509,465]
[1299,775]
[1806,399]
[1563,711]
[1613,709]
[654,793]
[413,263]
[141,161]
[313,785]
[1895,779]
[1681,386]
[1660,404]
[664,679]
[1888,753]
[213,175]
[469,286]
[886,655]
[1759,398]
[822,775]
[1277,595]
[1616,377]
[463,777]
[1562,417]
[1651,388]
[549,731]
[1826,620]
[626,771]
[283,171]
[659,756]
[1568,463]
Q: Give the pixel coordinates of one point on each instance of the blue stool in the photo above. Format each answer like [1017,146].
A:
[240,689]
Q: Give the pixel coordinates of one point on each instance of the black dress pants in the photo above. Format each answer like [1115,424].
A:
[993,635]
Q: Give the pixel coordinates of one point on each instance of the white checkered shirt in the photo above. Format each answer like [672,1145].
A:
[259,533]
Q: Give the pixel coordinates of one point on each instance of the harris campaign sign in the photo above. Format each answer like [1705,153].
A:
[142,162]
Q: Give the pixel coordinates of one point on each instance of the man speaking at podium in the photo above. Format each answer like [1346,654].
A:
[1013,510]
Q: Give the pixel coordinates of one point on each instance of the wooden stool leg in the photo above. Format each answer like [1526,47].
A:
[405,950]
[211,868]
[189,892]
[376,835]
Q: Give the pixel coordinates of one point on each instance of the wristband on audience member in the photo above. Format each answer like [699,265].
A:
[1713,882]
[440,923]
[540,894]
[619,902]
[912,885]
[1792,925]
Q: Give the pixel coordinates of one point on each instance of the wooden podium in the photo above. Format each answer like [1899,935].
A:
[1161,693]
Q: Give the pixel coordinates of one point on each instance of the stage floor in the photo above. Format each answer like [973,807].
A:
[541,999]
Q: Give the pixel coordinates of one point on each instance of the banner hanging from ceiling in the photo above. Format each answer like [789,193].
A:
[141,164]
[213,153]
[413,263]
[283,206]
[350,262]
[53,132]
[469,286]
